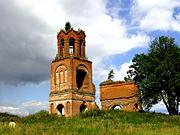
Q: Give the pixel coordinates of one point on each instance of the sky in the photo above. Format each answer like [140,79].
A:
[115,30]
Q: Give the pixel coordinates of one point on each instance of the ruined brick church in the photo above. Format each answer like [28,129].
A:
[71,86]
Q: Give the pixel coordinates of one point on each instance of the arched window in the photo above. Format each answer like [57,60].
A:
[61,77]
[65,76]
[71,46]
[60,109]
[62,47]
[57,78]
[68,107]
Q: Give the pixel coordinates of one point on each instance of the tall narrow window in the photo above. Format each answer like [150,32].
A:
[81,44]
[68,107]
[61,77]
[57,78]
[71,46]
[62,47]
[52,108]
[65,76]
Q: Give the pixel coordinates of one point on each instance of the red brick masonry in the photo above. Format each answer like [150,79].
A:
[71,88]
[121,94]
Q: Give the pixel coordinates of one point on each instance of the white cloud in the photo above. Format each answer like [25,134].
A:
[13,110]
[120,72]
[178,17]
[26,108]
[114,9]
[160,107]
[8,108]
[35,104]
[105,36]
[156,14]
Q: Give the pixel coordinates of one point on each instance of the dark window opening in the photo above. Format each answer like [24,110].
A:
[80,77]
[71,46]
[60,108]
[82,108]
[62,47]
[136,104]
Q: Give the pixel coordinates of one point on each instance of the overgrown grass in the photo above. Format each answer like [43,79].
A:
[92,123]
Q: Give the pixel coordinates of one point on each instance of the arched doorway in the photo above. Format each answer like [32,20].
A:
[60,109]
[83,107]
[116,107]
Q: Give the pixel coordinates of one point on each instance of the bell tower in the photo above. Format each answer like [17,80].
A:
[71,87]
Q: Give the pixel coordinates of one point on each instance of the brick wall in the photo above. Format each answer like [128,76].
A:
[122,94]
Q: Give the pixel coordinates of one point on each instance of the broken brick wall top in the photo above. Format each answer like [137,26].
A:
[115,90]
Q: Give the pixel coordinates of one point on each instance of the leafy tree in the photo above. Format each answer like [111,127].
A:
[127,79]
[111,75]
[67,26]
[157,74]
[56,57]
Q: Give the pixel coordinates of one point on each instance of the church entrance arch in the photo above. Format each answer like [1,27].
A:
[60,109]
[83,108]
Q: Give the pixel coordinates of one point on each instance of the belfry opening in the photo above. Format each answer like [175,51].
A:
[62,47]
[71,46]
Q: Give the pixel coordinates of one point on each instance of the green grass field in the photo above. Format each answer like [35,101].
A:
[92,123]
